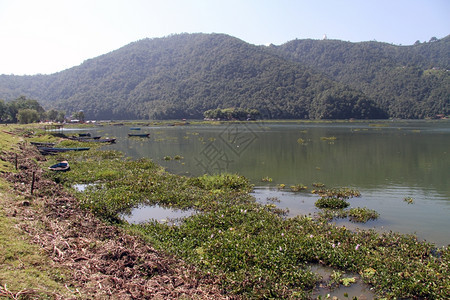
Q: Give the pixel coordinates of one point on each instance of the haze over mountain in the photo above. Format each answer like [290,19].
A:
[181,76]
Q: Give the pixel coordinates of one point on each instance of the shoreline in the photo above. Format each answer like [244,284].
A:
[99,260]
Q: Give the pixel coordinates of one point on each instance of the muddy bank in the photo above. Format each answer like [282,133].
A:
[104,261]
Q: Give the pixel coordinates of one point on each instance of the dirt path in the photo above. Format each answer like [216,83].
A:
[105,262]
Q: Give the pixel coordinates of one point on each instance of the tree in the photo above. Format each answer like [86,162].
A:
[26,116]
[3,111]
[21,103]
[61,117]
[52,115]
[79,116]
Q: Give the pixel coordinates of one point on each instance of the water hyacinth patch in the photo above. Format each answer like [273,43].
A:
[334,203]
[266,179]
[362,215]
[409,200]
[342,193]
[298,187]
[255,251]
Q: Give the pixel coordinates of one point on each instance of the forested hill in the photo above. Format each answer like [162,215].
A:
[406,81]
[181,76]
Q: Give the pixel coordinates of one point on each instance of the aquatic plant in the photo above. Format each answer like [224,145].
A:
[343,193]
[379,125]
[409,200]
[362,215]
[298,187]
[330,138]
[331,202]
[266,179]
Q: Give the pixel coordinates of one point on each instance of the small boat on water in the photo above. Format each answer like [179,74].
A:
[135,128]
[139,134]
[61,166]
[84,134]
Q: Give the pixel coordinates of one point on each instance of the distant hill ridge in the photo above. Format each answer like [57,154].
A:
[181,76]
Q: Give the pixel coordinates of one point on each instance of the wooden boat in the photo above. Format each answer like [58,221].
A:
[39,144]
[52,150]
[83,138]
[93,140]
[105,140]
[61,166]
[84,134]
[139,134]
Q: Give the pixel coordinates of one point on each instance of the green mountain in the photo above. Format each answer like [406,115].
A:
[405,81]
[181,76]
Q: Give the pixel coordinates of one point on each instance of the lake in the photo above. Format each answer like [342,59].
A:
[387,161]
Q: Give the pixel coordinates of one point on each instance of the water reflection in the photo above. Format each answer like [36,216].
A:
[156,212]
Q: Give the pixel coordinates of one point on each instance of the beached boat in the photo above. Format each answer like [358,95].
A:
[93,139]
[105,140]
[53,150]
[139,134]
[83,138]
[84,134]
[41,144]
[61,166]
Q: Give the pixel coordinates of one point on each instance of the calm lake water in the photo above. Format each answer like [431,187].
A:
[386,161]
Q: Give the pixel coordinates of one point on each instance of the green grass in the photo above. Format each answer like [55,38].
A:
[23,266]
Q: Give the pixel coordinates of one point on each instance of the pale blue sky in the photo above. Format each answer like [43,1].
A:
[47,36]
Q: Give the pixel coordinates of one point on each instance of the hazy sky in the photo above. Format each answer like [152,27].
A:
[47,36]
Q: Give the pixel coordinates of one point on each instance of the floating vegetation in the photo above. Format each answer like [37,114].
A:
[281,186]
[178,157]
[379,125]
[298,187]
[337,278]
[300,141]
[167,158]
[409,200]
[266,179]
[331,138]
[318,185]
[333,203]
[362,215]
[343,193]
